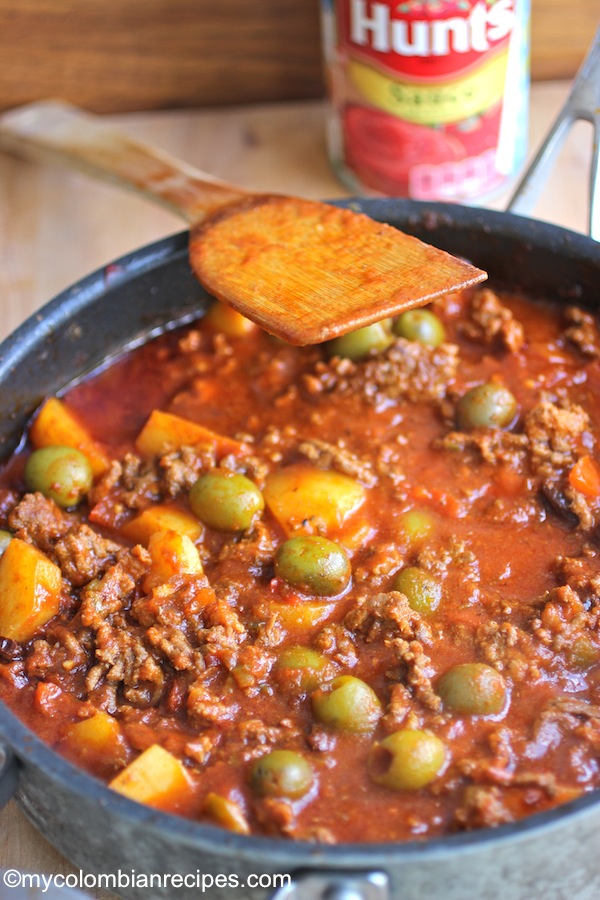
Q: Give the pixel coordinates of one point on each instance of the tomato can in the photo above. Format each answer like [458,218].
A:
[427,99]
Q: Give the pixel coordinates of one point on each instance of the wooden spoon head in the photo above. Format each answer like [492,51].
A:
[307,271]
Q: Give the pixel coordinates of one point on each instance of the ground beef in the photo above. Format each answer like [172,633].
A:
[572,716]
[510,649]
[482,807]
[337,642]
[406,370]
[411,370]
[564,619]
[179,602]
[553,437]
[83,554]
[491,323]
[172,643]
[39,521]
[252,668]
[338,457]
[416,671]
[582,331]
[555,432]
[181,469]
[60,652]
[454,555]
[493,445]
[580,574]
[254,736]
[255,551]
[104,597]
[387,616]
[139,482]
[126,660]
[206,706]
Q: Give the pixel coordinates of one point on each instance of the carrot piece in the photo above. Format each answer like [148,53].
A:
[585,477]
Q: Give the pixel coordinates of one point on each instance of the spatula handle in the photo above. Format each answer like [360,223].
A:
[69,135]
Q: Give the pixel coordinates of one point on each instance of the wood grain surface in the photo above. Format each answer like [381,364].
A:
[120,55]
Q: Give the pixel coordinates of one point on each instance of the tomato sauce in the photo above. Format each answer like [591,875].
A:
[224,673]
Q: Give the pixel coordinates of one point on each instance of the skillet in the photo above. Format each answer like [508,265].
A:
[549,855]
[98,831]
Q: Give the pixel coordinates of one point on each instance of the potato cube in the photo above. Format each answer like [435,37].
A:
[302,616]
[161,517]
[156,778]
[30,590]
[165,432]
[98,738]
[229,321]
[55,424]
[301,493]
[173,554]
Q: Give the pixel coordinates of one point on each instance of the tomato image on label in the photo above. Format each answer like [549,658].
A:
[383,149]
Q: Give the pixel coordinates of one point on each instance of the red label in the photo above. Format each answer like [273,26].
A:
[426,40]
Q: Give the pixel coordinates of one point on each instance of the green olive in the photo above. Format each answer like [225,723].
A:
[406,760]
[417,525]
[62,474]
[282,773]
[347,704]
[225,500]
[420,325]
[5,539]
[582,654]
[488,405]
[473,689]
[422,589]
[313,564]
[302,668]
[357,344]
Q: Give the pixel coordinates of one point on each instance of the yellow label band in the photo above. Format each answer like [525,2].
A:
[433,104]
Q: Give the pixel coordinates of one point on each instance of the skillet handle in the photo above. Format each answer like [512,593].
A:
[9,774]
[583,102]
[56,130]
[336,886]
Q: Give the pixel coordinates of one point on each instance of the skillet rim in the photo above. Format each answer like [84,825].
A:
[33,752]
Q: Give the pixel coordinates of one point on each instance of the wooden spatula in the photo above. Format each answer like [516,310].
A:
[303,270]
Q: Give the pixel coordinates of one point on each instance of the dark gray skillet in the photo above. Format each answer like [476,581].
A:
[550,856]
[553,855]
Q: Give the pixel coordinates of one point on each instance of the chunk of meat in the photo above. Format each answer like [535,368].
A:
[582,331]
[492,323]
[127,661]
[338,457]
[83,554]
[39,521]
[104,597]
[406,370]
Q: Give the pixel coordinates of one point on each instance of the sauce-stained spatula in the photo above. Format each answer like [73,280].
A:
[305,271]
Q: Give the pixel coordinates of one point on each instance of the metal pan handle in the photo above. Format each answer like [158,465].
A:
[336,886]
[9,774]
[583,102]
